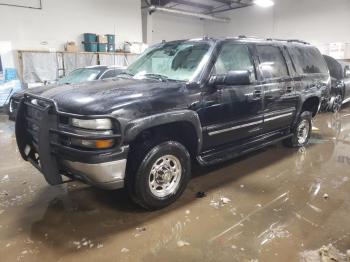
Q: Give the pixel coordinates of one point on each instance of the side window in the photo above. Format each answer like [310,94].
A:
[234,57]
[308,60]
[110,74]
[272,62]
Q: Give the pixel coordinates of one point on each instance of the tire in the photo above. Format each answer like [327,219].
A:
[336,103]
[159,173]
[301,131]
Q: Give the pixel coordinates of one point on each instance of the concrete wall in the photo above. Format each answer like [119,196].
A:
[162,26]
[65,20]
[317,21]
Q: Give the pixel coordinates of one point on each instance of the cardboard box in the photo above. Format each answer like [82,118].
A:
[71,47]
[102,39]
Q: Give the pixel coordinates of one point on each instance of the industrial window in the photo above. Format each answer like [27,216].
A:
[272,62]
[233,57]
[308,60]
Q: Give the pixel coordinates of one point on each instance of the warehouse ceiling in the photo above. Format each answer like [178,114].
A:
[207,7]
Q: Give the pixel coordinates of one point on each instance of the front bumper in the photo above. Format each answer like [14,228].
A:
[43,138]
[106,175]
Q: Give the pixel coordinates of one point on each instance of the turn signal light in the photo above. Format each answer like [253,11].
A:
[102,144]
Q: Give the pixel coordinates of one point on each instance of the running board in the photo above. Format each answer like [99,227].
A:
[211,158]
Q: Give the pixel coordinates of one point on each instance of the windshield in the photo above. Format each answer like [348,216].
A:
[176,60]
[80,75]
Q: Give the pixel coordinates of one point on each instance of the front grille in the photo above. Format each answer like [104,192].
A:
[33,119]
[59,131]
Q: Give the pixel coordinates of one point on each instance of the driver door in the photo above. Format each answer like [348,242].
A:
[232,112]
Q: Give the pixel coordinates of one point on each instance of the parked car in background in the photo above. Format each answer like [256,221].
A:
[89,74]
[340,84]
[7,89]
[204,99]
[76,76]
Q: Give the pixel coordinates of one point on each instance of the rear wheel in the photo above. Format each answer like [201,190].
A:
[161,174]
[336,103]
[301,132]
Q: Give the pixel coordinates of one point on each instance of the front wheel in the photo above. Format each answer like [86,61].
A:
[301,132]
[162,175]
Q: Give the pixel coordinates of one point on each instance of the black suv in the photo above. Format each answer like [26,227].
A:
[340,84]
[203,99]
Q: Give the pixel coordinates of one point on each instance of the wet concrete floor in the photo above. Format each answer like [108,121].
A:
[268,206]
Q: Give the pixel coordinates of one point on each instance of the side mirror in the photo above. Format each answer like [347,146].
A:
[232,78]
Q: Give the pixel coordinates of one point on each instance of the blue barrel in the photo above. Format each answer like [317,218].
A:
[111,47]
[111,39]
[90,47]
[10,74]
[90,38]
[102,47]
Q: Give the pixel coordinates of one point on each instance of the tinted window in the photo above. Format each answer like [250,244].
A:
[111,73]
[308,60]
[233,57]
[272,62]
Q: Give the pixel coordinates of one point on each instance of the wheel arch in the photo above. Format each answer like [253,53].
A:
[183,124]
[311,104]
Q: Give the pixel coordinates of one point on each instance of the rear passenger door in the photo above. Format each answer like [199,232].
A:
[279,100]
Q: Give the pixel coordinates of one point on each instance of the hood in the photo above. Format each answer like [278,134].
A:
[108,96]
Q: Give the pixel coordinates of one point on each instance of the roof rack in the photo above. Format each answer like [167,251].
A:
[275,39]
[298,41]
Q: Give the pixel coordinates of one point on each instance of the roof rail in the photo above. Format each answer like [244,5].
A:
[276,39]
[298,41]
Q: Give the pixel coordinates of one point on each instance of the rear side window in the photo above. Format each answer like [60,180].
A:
[272,62]
[308,60]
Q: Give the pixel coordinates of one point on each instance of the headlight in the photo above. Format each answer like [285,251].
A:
[95,124]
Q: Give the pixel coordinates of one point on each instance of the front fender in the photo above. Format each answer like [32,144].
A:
[135,127]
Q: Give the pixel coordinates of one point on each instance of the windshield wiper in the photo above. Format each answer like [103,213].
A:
[157,76]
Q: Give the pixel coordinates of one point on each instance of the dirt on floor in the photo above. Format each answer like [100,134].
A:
[277,204]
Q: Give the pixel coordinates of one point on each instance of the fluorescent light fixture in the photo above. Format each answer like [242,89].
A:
[186,13]
[264,3]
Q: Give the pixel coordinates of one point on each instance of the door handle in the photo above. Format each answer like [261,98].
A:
[257,94]
[289,89]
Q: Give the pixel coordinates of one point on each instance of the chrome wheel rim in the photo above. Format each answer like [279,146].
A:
[303,131]
[165,175]
[337,103]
